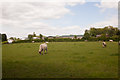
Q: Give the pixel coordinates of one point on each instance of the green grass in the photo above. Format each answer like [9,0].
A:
[64,60]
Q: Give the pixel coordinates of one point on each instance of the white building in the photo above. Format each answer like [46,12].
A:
[24,38]
[36,38]
[10,41]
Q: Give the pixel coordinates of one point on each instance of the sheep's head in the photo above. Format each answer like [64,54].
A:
[40,52]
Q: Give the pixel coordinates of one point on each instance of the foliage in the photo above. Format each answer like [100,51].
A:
[41,36]
[30,37]
[106,33]
[4,37]
[14,38]
[86,35]
[4,42]
[22,41]
[39,40]
[75,37]
[110,30]
[115,37]
[11,38]
[94,34]
[46,38]
[34,35]
[0,36]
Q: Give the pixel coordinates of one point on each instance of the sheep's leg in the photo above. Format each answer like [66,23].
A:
[43,51]
[46,50]
[103,46]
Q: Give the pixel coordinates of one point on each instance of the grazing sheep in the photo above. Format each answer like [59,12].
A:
[119,42]
[33,41]
[46,42]
[10,41]
[43,47]
[104,44]
[111,40]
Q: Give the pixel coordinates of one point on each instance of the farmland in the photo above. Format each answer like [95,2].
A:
[64,60]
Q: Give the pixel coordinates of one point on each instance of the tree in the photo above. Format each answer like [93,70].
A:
[86,35]
[34,35]
[11,38]
[115,37]
[4,37]
[57,35]
[41,36]
[0,36]
[112,31]
[54,37]
[118,32]
[103,37]
[75,37]
[18,39]
[46,39]
[93,32]
[30,37]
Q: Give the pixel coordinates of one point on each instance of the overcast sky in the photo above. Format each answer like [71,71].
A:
[56,18]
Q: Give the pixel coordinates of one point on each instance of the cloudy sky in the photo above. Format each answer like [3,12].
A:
[18,19]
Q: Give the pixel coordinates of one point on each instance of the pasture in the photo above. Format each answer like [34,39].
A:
[64,60]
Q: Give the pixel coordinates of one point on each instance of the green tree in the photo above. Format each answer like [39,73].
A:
[86,35]
[103,37]
[30,37]
[41,36]
[4,37]
[0,37]
[54,37]
[115,37]
[118,32]
[93,32]
[75,37]
[46,38]
[11,38]
[111,31]
[34,35]
[18,39]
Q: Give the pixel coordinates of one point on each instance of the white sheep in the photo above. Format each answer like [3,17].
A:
[43,47]
[111,40]
[33,41]
[104,44]
[119,42]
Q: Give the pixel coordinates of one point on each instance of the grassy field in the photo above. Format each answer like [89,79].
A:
[64,60]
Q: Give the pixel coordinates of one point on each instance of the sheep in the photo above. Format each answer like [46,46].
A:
[104,44]
[111,40]
[119,42]
[33,41]
[46,42]
[43,47]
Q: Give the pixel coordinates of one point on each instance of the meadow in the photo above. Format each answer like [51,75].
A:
[64,60]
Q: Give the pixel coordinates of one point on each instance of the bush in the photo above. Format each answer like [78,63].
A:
[22,41]
[115,38]
[38,40]
[4,42]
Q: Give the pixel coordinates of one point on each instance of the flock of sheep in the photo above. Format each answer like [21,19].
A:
[43,47]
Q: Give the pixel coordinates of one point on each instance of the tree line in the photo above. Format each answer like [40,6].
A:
[30,36]
[106,33]
[94,34]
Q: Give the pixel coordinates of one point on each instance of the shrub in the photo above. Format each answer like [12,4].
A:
[4,42]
